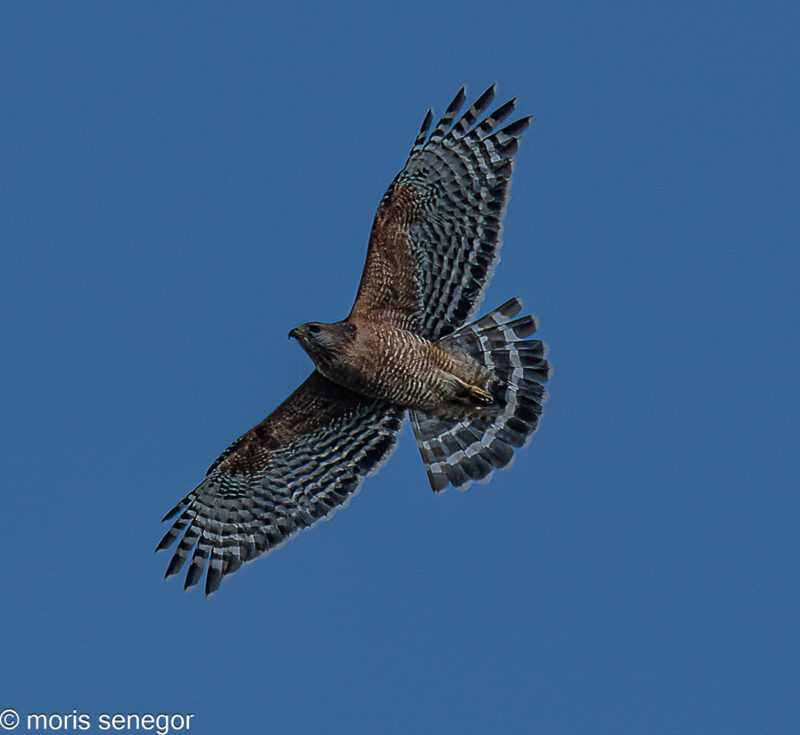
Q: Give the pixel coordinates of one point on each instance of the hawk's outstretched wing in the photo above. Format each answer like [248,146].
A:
[298,465]
[436,234]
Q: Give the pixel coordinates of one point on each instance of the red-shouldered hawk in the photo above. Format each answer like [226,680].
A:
[474,391]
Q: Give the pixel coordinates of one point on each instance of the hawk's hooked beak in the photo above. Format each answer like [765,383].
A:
[294,333]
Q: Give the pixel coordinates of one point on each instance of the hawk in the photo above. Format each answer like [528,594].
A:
[474,391]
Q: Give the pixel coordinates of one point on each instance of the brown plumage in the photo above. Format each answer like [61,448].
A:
[396,365]
[474,391]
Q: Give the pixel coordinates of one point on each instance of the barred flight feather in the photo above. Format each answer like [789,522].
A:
[240,512]
[445,208]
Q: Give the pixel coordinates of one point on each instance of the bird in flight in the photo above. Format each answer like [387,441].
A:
[474,391]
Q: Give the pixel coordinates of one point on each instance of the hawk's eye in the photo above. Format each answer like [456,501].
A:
[313,329]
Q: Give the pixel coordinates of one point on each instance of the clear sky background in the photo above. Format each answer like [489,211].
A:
[182,183]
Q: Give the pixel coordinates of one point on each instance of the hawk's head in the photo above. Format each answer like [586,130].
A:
[324,342]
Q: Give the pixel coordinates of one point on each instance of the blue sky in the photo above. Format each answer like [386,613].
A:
[182,183]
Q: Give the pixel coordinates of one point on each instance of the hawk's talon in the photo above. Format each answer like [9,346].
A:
[479,394]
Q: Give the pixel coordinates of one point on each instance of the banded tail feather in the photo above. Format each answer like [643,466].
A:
[459,451]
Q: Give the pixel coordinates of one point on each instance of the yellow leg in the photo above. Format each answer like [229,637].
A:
[479,394]
[472,393]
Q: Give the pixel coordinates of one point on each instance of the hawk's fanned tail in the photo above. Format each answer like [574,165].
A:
[456,451]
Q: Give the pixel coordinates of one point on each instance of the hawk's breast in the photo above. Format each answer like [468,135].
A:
[395,365]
